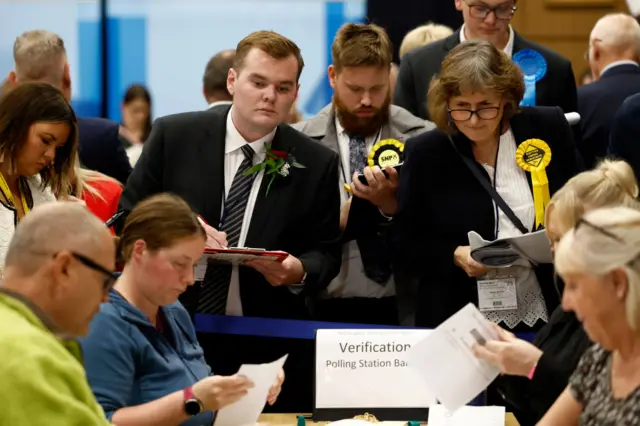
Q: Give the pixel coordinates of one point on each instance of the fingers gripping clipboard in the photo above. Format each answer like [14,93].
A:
[234,256]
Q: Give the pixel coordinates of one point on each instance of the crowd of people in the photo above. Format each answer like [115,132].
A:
[103,224]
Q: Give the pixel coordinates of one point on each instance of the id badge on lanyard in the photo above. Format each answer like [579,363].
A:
[497,293]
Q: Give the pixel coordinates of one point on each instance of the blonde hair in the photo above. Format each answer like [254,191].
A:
[609,239]
[358,45]
[423,35]
[474,65]
[85,177]
[611,183]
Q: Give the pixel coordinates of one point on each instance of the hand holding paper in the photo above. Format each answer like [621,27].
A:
[511,355]
[217,392]
[462,258]
[289,271]
[247,410]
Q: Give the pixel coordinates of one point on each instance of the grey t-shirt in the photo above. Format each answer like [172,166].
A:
[591,387]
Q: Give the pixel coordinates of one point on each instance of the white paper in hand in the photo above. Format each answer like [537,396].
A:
[464,416]
[248,409]
[444,359]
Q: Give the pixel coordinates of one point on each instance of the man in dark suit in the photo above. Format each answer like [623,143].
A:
[487,20]
[624,143]
[41,56]
[358,118]
[614,46]
[208,158]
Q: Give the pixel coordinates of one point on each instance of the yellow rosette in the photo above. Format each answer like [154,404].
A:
[533,156]
[387,152]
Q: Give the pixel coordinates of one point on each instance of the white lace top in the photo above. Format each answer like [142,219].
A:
[8,217]
[513,187]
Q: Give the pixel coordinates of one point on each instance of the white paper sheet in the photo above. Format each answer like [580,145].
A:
[248,409]
[533,246]
[634,7]
[444,359]
[465,416]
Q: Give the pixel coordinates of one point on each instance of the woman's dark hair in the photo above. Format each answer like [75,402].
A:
[160,221]
[135,92]
[30,103]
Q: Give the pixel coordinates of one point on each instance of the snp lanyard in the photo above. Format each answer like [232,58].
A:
[4,187]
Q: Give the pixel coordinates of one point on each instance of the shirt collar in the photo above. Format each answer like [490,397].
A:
[216,103]
[236,141]
[42,316]
[617,64]
[508,49]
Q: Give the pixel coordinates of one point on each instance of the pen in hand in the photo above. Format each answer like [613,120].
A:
[219,237]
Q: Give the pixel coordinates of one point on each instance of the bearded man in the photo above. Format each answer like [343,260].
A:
[359,117]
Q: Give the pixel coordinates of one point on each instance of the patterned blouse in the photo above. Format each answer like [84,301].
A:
[591,387]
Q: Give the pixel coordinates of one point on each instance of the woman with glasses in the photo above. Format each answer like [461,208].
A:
[599,261]
[534,375]
[38,145]
[142,358]
[447,178]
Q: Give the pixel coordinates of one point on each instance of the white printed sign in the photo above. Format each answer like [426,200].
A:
[368,369]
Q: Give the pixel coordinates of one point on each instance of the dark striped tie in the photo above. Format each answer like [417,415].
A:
[213,297]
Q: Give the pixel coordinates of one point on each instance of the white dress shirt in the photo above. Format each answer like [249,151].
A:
[216,103]
[513,186]
[508,49]
[233,157]
[352,281]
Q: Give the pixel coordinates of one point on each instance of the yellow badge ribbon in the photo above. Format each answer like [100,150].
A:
[387,152]
[533,156]
[4,187]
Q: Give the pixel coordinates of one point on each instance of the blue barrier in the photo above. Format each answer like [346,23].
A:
[283,328]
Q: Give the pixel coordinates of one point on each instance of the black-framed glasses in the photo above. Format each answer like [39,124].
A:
[110,276]
[479,11]
[488,113]
[600,229]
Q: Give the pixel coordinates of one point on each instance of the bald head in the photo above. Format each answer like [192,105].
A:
[615,37]
[40,56]
[215,76]
[52,227]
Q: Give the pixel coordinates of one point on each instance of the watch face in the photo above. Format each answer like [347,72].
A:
[192,407]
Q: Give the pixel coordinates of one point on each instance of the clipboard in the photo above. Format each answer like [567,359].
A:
[238,255]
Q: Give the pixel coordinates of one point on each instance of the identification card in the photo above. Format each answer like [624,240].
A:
[498,294]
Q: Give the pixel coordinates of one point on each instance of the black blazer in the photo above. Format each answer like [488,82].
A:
[598,104]
[440,201]
[185,155]
[563,342]
[625,133]
[557,88]
[100,148]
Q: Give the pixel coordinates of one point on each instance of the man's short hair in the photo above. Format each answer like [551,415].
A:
[215,74]
[39,56]
[49,228]
[273,44]
[357,45]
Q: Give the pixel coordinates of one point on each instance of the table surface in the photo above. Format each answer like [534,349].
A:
[291,420]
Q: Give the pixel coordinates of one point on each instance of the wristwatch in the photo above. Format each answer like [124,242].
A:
[192,405]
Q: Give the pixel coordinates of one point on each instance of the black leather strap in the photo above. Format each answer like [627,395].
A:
[489,188]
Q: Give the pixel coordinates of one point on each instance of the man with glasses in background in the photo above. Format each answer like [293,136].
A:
[58,270]
[550,83]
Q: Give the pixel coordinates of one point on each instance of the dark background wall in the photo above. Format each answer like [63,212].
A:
[399,17]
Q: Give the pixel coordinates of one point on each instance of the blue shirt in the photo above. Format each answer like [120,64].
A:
[129,362]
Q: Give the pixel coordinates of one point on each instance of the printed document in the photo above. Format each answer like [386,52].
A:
[445,360]
[465,416]
[248,409]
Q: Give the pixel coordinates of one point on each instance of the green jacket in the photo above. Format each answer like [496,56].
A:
[42,378]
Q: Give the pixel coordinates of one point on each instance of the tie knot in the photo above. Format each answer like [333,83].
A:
[248,152]
[357,138]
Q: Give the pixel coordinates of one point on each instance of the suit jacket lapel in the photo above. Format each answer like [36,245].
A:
[266,206]
[212,166]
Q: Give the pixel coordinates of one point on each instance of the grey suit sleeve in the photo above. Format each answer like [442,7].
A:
[405,93]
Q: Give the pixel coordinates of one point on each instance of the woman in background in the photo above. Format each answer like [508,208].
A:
[599,261]
[142,358]
[38,150]
[136,120]
[536,374]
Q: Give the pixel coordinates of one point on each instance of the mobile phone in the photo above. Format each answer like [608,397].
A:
[363,179]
